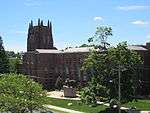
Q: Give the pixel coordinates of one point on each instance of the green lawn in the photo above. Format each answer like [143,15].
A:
[76,105]
[140,105]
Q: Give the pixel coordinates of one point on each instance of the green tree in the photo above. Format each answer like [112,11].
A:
[127,61]
[10,54]
[86,45]
[4,62]
[100,36]
[104,67]
[14,60]
[19,94]
[93,91]
[13,64]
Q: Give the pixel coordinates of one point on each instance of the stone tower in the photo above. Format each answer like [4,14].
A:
[40,36]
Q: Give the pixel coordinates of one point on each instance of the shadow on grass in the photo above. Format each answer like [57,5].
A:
[109,110]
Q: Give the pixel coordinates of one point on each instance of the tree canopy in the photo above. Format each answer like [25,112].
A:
[100,36]
[13,64]
[12,54]
[4,62]
[104,67]
[19,94]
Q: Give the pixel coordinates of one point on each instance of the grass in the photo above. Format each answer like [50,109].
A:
[76,105]
[140,105]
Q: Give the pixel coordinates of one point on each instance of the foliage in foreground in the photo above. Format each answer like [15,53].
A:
[19,94]
[104,68]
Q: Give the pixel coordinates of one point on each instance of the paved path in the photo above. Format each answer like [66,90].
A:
[51,111]
[63,109]
[66,98]
[145,112]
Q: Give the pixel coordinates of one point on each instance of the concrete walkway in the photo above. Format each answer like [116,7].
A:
[144,111]
[62,109]
[66,98]
[60,95]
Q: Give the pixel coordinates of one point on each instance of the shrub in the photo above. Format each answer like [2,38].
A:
[19,94]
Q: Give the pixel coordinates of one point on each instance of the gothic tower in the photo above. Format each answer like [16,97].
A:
[40,36]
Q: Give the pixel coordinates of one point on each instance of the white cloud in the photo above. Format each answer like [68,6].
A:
[32,3]
[140,22]
[98,18]
[133,7]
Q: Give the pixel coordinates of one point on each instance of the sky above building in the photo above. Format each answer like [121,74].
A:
[74,21]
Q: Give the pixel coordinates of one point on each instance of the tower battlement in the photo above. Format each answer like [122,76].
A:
[40,36]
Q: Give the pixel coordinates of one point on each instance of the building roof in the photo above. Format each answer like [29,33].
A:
[76,50]
[70,50]
[48,51]
[86,49]
[137,48]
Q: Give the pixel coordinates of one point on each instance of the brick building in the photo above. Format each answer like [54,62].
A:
[44,63]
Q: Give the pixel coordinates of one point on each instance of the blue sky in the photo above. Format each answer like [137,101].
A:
[74,21]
